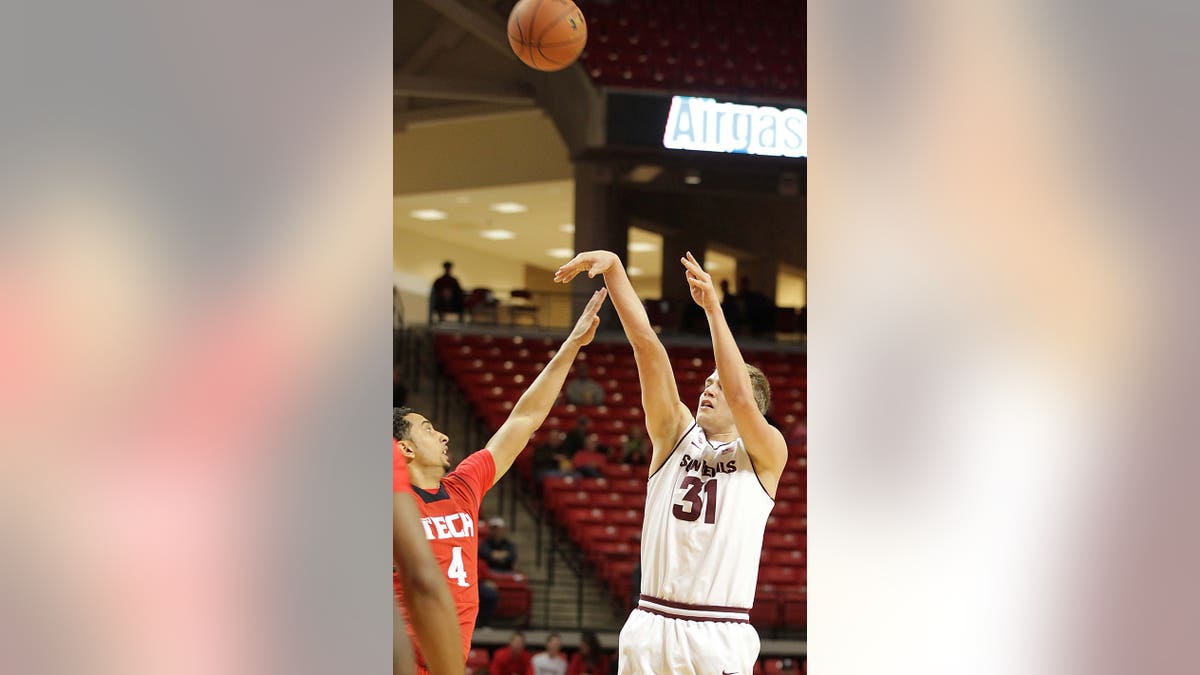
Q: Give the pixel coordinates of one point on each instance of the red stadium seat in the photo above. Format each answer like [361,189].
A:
[629,486]
[516,598]
[795,611]
[781,667]
[765,612]
[478,660]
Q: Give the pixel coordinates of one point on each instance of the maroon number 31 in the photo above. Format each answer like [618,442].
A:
[708,504]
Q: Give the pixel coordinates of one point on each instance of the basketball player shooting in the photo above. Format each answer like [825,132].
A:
[449,502]
[713,477]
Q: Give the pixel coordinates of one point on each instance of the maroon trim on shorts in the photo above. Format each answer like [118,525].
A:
[694,608]
[681,617]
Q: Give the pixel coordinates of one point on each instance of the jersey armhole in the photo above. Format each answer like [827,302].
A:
[676,449]
[758,477]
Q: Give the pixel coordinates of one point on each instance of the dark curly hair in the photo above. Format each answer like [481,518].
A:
[401,427]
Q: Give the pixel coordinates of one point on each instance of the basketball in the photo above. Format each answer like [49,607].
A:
[547,34]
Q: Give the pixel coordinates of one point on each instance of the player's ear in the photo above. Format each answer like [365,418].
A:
[405,448]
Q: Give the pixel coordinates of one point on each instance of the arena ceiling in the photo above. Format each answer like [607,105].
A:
[451,60]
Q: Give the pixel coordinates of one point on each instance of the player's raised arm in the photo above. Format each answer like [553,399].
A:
[666,416]
[531,410]
[763,441]
[430,607]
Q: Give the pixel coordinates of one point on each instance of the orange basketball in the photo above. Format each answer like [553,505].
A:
[547,34]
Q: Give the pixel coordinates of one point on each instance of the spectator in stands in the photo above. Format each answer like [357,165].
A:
[760,311]
[692,320]
[497,550]
[589,660]
[732,306]
[583,390]
[635,450]
[513,659]
[548,458]
[448,295]
[489,594]
[552,661]
[589,460]
[577,436]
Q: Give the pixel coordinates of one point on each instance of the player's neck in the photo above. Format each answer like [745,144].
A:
[721,436]
[425,479]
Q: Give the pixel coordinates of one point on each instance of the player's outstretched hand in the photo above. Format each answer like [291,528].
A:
[700,283]
[592,262]
[585,328]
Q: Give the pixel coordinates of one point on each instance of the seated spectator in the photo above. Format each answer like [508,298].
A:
[589,460]
[576,436]
[447,294]
[489,595]
[760,311]
[552,661]
[548,457]
[731,306]
[589,660]
[513,659]
[583,390]
[499,553]
[635,451]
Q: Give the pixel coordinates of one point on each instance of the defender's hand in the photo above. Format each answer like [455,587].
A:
[585,328]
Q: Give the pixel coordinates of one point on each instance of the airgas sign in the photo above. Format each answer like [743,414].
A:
[712,126]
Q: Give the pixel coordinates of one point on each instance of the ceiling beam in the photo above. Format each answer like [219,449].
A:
[485,25]
[447,35]
[451,113]
[516,93]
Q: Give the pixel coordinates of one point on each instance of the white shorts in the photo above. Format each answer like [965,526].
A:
[652,644]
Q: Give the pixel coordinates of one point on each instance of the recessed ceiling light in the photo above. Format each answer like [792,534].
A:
[692,177]
[710,265]
[497,235]
[463,199]
[635,271]
[509,207]
[567,227]
[642,247]
[428,214]
[644,173]
[560,253]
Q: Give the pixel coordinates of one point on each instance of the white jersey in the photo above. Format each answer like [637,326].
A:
[702,535]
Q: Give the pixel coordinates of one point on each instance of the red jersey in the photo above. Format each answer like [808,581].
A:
[448,516]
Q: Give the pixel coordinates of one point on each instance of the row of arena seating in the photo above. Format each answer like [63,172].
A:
[603,516]
[747,48]
[493,371]
[479,659]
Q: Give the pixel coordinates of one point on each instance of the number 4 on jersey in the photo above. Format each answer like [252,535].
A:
[458,571]
[708,505]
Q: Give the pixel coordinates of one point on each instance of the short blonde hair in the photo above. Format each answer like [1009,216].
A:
[762,388]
